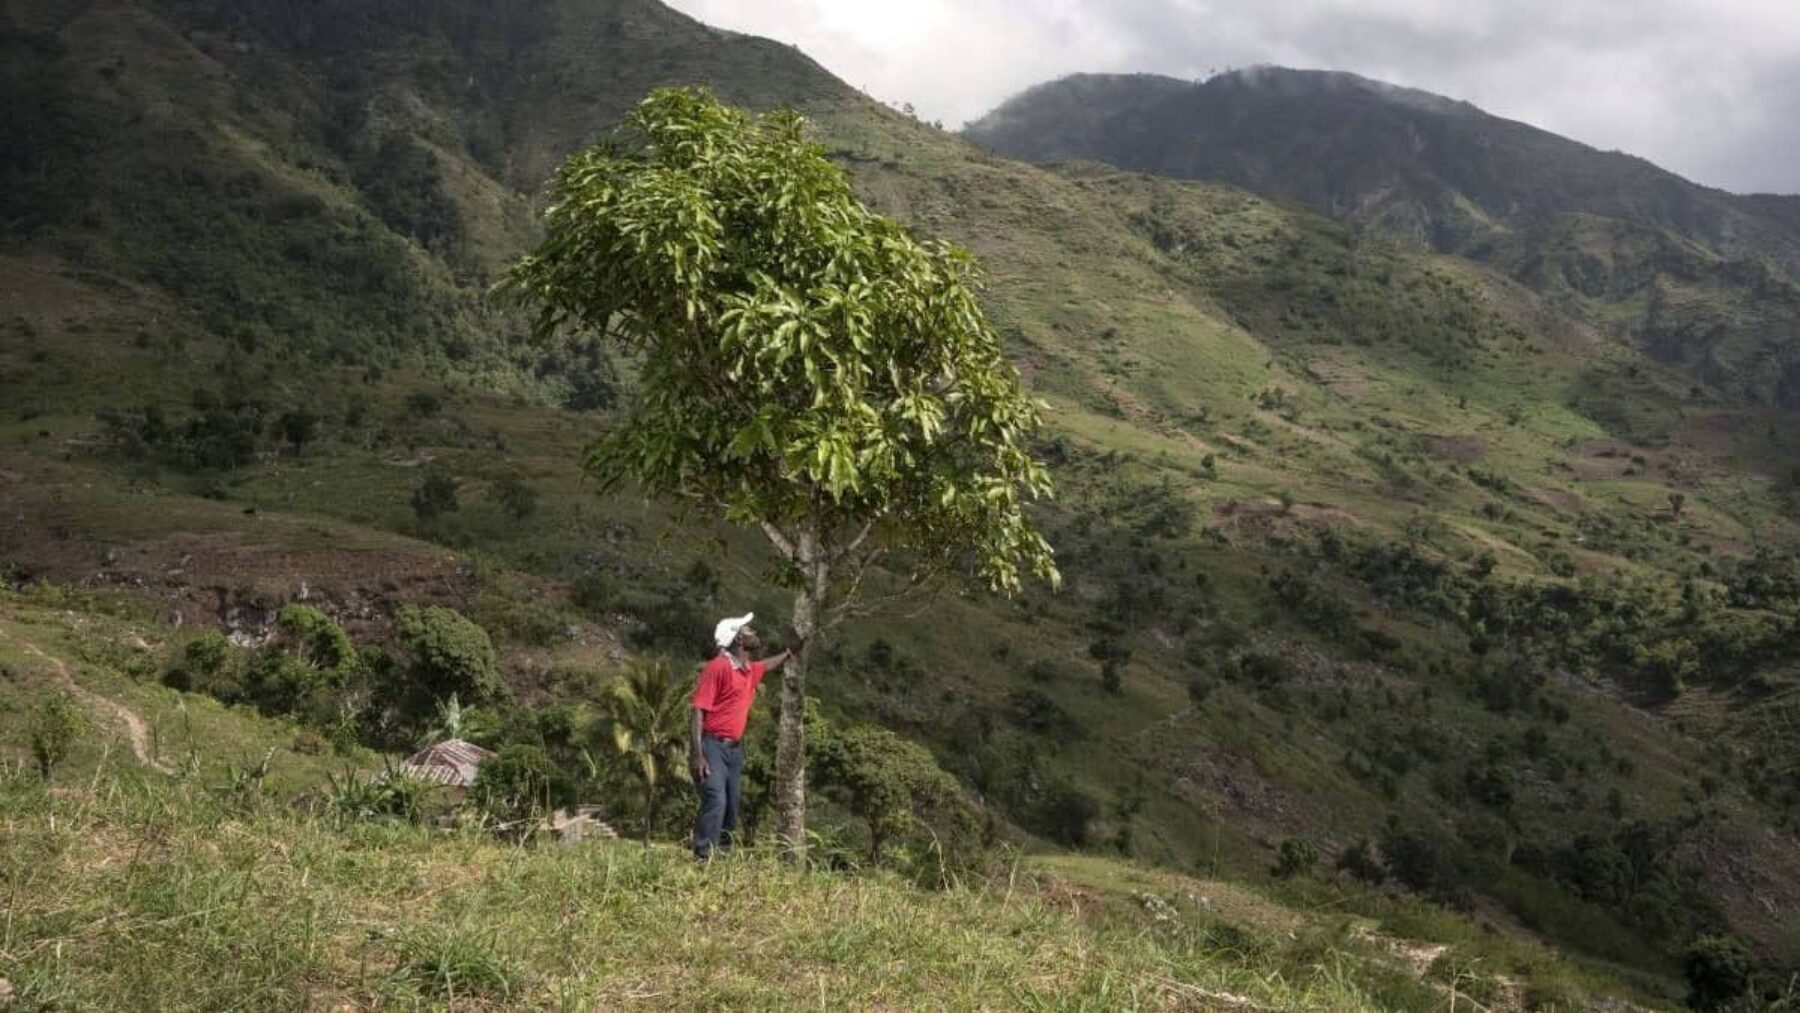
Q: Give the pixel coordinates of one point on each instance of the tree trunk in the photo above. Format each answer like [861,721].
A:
[649,811]
[790,743]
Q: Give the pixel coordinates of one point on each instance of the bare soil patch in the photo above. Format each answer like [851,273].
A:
[1557,499]
[1457,449]
[220,566]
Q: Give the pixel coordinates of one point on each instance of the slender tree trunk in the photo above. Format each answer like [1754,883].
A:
[649,811]
[790,743]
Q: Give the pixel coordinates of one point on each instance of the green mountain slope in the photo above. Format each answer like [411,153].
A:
[1443,174]
[1365,543]
[343,181]
[1437,170]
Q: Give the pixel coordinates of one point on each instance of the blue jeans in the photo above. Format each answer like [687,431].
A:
[719,795]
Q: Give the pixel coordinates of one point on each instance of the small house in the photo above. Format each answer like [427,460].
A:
[452,763]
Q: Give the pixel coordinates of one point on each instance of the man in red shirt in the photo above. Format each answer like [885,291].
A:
[722,701]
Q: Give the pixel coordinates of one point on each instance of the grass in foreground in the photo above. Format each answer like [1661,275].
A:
[128,893]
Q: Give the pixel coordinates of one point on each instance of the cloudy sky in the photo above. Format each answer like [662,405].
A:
[1707,88]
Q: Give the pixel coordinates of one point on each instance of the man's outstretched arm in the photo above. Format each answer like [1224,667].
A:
[795,643]
[774,664]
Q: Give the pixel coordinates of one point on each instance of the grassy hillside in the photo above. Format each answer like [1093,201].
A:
[202,888]
[1369,549]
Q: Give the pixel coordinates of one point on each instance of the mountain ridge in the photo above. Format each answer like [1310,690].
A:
[1428,171]
[1135,98]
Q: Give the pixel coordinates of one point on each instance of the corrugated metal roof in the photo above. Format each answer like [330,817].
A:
[452,762]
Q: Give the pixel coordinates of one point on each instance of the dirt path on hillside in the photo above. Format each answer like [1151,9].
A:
[136,732]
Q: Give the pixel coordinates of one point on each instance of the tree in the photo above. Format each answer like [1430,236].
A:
[450,654]
[1113,657]
[435,497]
[646,714]
[317,640]
[298,427]
[1677,500]
[807,367]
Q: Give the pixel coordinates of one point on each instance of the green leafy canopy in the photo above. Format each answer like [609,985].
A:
[807,364]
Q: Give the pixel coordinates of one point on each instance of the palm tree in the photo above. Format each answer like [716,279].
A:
[647,713]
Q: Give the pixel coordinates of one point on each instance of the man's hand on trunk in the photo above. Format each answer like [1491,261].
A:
[794,641]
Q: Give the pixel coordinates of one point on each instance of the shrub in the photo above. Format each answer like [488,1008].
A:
[1717,969]
[56,723]
[516,786]
[1667,666]
[277,682]
[1034,710]
[435,497]
[1112,656]
[1359,860]
[389,795]
[515,617]
[893,784]
[1198,689]
[1491,784]
[593,592]
[517,498]
[1422,864]
[211,665]
[1295,857]
[1321,609]
[1062,813]
[1266,671]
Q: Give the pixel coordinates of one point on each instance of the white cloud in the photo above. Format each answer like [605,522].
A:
[1707,89]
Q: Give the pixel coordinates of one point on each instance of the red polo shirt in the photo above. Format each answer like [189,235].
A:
[725,693]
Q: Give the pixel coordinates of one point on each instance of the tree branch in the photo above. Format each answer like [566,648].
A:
[926,582]
[854,585]
[783,544]
[856,543]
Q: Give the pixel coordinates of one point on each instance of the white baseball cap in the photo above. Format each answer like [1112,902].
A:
[727,630]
